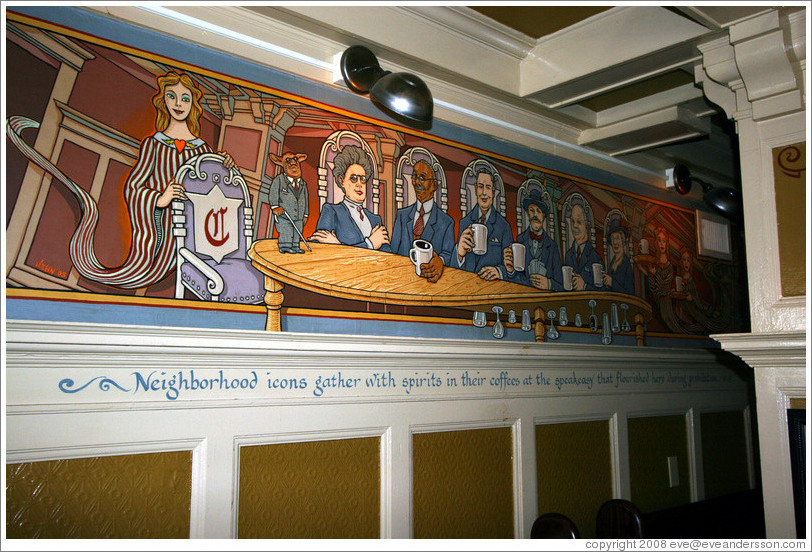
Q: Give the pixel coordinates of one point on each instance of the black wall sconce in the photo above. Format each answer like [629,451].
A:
[403,96]
[725,201]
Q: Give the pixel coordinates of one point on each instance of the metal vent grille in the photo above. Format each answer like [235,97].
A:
[713,236]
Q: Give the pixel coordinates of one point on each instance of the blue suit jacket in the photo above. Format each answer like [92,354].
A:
[336,217]
[439,231]
[584,268]
[548,254]
[623,277]
[500,236]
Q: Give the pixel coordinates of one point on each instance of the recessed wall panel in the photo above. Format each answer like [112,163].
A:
[311,490]
[652,440]
[463,484]
[724,453]
[574,470]
[134,496]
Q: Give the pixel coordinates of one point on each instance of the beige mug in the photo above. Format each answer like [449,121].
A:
[480,238]
[597,271]
[518,250]
[644,246]
[566,274]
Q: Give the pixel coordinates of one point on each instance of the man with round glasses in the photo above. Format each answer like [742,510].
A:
[350,222]
[423,219]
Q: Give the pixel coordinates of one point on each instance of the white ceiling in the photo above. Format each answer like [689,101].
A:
[554,75]
[591,92]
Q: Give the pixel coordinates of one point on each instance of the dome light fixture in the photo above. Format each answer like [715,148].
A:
[404,96]
[725,201]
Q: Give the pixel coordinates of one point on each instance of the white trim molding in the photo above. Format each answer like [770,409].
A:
[371,386]
[780,361]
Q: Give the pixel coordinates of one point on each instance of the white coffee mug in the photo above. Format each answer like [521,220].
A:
[536,266]
[644,246]
[597,271]
[518,255]
[421,252]
[566,274]
[480,238]
[678,283]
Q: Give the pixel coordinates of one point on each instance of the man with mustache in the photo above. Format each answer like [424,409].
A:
[424,220]
[500,235]
[581,255]
[542,259]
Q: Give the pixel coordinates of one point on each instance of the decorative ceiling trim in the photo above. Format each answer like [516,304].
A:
[459,102]
[465,22]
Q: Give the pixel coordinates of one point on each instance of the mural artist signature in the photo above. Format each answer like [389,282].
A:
[44,266]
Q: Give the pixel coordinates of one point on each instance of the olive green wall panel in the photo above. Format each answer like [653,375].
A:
[724,453]
[574,470]
[651,441]
[133,496]
[317,489]
[789,170]
[463,484]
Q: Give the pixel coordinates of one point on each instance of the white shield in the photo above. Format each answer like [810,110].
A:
[217,223]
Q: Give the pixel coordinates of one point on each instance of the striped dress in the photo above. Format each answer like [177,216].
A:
[152,252]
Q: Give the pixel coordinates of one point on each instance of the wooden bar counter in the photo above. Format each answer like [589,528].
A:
[368,275]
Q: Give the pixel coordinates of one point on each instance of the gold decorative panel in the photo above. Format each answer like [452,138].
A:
[463,484]
[789,169]
[724,453]
[311,490]
[574,470]
[651,441]
[134,496]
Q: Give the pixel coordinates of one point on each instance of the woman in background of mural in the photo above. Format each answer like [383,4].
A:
[697,315]
[662,271]
[148,192]
[619,275]
[662,283]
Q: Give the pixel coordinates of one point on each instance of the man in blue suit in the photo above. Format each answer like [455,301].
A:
[542,260]
[424,220]
[349,222]
[581,255]
[500,235]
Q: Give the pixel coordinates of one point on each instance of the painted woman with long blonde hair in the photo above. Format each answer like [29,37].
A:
[148,192]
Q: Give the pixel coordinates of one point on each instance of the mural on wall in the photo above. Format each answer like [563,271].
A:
[151,179]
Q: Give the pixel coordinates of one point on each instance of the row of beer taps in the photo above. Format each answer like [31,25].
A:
[609,323]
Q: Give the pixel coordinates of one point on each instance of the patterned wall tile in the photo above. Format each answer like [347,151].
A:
[129,496]
[463,484]
[318,489]
[574,470]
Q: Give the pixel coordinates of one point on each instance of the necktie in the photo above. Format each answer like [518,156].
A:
[534,236]
[482,219]
[360,213]
[418,224]
[577,255]
[296,184]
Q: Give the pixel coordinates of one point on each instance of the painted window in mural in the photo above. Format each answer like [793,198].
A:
[153,180]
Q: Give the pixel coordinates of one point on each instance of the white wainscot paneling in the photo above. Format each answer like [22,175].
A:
[85,390]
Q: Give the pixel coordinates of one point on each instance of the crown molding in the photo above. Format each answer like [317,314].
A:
[28,342]
[471,25]
[310,48]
